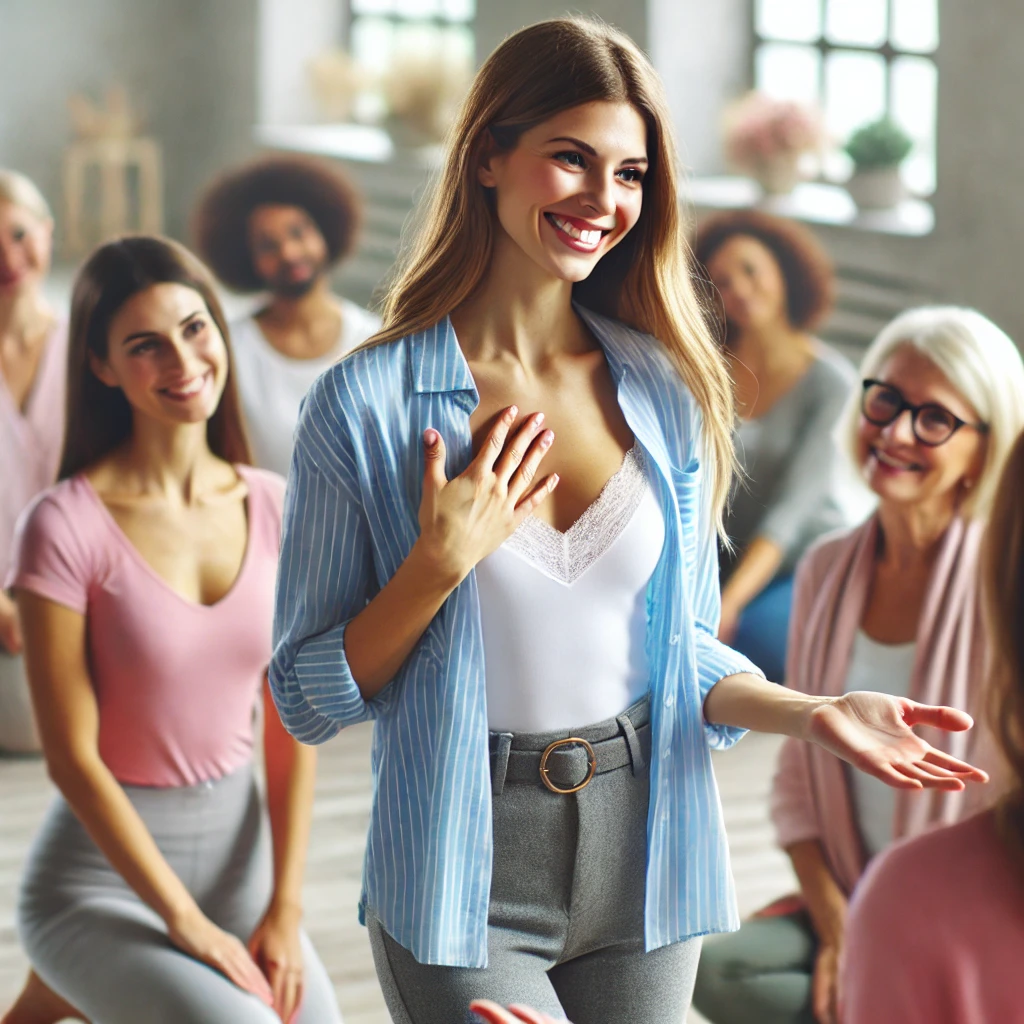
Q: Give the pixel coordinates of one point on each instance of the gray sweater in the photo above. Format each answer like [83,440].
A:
[798,484]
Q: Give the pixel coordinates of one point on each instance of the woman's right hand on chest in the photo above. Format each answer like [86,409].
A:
[464,519]
[195,934]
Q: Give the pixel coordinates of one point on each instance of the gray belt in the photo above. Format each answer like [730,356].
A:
[569,763]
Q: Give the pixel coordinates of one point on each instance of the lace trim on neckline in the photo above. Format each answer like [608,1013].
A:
[565,557]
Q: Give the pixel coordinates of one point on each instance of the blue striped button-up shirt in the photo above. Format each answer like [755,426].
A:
[350,520]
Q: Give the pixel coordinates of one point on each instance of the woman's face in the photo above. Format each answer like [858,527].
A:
[572,188]
[165,353]
[288,251]
[26,244]
[897,467]
[750,281]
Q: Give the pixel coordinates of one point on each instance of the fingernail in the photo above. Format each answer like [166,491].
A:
[430,438]
[554,480]
[546,439]
[538,419]
[513,411]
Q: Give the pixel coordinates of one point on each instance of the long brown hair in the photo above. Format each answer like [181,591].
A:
[99,418]
[645,281]
[1004,605]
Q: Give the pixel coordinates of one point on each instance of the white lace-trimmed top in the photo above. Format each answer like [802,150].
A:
[565,614]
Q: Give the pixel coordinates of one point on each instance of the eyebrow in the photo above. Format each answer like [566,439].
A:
[593,152]
[150,334]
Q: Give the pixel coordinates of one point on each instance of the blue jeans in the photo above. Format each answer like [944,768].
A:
[764,628]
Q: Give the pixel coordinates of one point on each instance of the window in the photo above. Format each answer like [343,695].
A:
[857,60]
[381,31]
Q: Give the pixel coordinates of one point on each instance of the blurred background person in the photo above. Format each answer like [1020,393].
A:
[912,958]
[773,284]
[280,225]
[33,348]
[893,606]
[144,581]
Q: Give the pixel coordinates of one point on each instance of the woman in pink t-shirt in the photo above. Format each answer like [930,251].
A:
[935,933]
[33,355]
[144,582]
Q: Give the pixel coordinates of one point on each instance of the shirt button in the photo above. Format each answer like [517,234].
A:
[674,639]
[669,701]
[666,751]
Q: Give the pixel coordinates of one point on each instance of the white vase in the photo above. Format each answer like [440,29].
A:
[880,188]
[777,177]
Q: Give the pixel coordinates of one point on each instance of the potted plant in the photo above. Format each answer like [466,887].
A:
[766,138]
[877,150]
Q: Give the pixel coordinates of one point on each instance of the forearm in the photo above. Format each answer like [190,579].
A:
[110,818]
[383,634]
[291,778]
[826,901]
[752,574]
[746,701]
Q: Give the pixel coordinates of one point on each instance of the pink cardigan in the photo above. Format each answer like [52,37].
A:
[936,933]
[811,798]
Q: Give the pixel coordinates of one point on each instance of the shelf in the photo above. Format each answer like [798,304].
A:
[813,202]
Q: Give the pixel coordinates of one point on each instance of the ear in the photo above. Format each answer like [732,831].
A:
[101,371]
[488,154]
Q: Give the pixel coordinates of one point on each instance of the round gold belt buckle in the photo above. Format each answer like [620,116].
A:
[591,764]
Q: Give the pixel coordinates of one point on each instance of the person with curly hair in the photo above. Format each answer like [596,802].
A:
[279,225]
[771,285]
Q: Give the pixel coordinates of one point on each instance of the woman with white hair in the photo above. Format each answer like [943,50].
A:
[892,606]
[33,347]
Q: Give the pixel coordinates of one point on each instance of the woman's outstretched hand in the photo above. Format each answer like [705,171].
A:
[873,731]
[464,519]
[494,1014]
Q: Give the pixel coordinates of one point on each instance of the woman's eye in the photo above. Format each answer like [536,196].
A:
[18,234]
[573,159]
[631,174]
[144,347]
[194,327]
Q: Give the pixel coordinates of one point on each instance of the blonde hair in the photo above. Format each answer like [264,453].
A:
[1003,590]
[978,359]
[15,188]
[646,281]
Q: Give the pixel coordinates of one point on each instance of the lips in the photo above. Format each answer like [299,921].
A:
[187,389]
[578,234]
[893,463]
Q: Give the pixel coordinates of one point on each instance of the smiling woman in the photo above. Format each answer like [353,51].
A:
[499,544]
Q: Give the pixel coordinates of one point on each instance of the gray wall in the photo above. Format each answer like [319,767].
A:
[190,64]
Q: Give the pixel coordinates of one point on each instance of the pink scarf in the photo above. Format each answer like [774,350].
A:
[811,798]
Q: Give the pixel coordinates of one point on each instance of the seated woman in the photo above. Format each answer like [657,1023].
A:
[33,347]
[144,581]
[967,971]
[774,285]
[890,606]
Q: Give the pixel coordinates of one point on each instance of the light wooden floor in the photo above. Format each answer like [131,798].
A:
[340,817]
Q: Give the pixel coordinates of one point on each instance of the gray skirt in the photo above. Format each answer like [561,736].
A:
[91,938]
[566,915]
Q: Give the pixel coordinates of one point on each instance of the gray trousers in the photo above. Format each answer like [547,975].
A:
[761,973]
[18,732]
[93,941]
[566,916]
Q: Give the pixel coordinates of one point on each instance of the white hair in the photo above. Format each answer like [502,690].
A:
[21,191]
[981,363]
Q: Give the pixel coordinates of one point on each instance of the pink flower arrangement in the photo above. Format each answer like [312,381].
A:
[759,132]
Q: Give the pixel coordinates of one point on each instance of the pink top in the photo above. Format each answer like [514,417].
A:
[176,682]
[936,932]
[31,439]
[811,798]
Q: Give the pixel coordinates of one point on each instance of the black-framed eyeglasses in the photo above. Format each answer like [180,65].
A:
[933,424]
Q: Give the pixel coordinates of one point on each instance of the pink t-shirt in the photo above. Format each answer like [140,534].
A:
[31,439]
[936,932]
[176,682]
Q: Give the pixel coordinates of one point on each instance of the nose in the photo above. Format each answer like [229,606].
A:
[178,356]
[601,197]
[901,430]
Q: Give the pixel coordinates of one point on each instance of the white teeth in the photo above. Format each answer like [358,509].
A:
[888,460]
[588,238]
[193,387]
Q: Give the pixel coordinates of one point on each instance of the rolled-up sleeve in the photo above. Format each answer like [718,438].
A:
[325,578]
[715,660]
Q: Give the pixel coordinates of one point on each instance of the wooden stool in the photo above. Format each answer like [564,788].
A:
[114,160]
